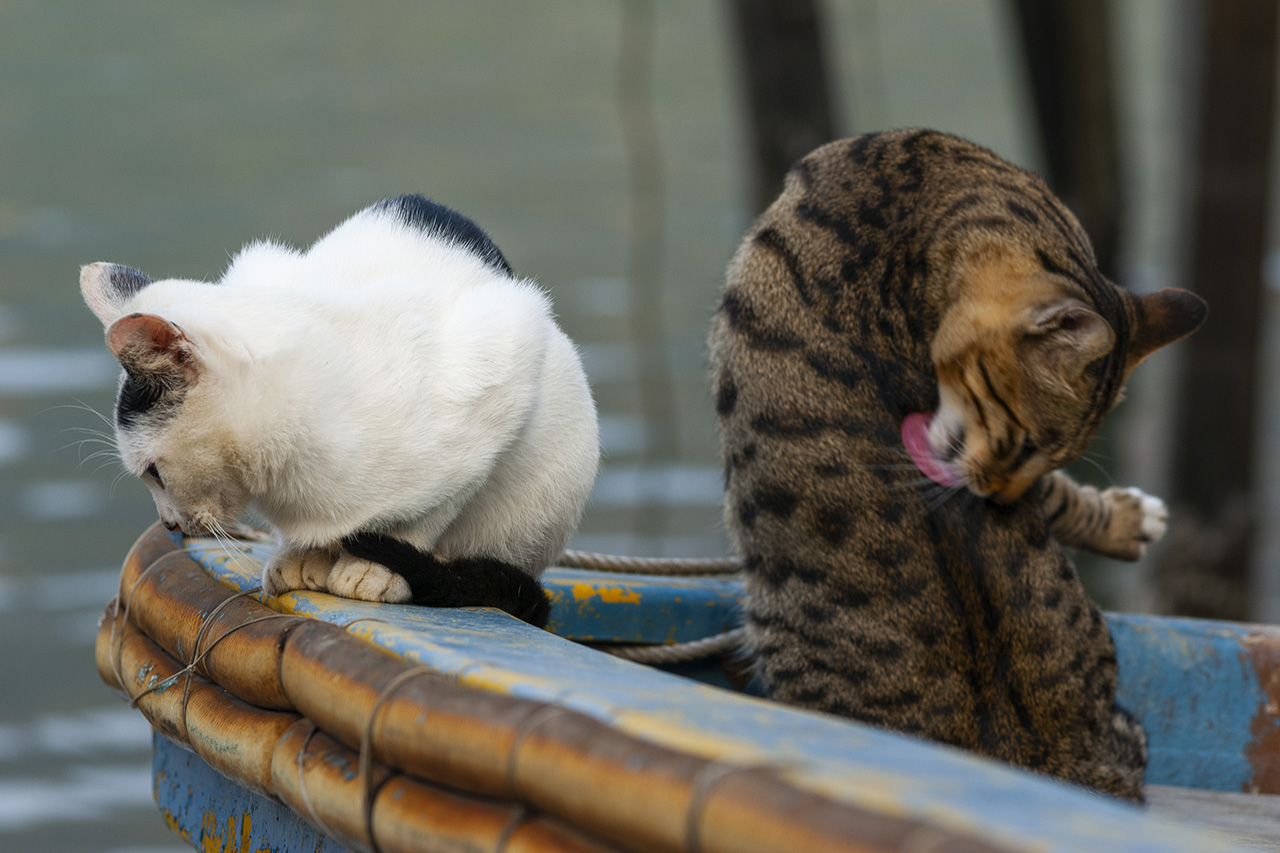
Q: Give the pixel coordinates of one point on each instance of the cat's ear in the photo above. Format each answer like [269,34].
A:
[107,287]
[149,344]
[1073,332]
[1161,318]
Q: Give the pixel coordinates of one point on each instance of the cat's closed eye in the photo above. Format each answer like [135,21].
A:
[1028,450]
[154,473]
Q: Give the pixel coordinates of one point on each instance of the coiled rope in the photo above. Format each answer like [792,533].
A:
[707,647]
[650,565]
[713,646]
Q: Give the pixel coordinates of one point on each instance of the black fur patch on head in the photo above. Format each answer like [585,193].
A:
[464,582]
[420,212]
[126,281]
[139,396]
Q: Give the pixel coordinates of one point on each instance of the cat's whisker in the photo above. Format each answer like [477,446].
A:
[95,436]
[228,542]
[1105,473]
[91,430]
[108,449]
[101,467]
[111,492]
[80,445]
[104,458]
[948,492]
[80,405]
[914,484]
[91,440]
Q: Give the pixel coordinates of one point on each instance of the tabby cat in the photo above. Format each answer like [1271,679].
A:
[913,339]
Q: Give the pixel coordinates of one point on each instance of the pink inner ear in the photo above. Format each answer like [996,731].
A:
[147,342]
[137,333]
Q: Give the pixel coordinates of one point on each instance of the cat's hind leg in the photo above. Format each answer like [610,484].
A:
[1118,522]
[353,577]
[298,568]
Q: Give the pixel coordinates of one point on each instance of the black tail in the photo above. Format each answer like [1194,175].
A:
[465,582]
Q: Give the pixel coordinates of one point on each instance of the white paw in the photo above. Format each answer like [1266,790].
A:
[292,569]
[353,577]
[1155,516]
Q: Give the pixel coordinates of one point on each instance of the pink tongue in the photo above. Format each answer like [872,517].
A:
[915,435]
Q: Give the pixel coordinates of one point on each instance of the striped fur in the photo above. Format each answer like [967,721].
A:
[1118,522]
[915,272]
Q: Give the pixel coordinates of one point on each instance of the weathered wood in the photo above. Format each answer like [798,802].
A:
[234,737]
[1236,817]
[1205,570]
[1067,47]
[172,604]
[579,771]
[788,99]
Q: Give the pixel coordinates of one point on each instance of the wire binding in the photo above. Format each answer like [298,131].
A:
[705,780]
[532,720]
[364,771]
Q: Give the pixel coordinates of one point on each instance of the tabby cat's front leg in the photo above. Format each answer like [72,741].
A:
[1118,522]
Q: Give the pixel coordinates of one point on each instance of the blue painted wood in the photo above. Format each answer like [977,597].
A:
[615,608]
[210,812]
[1197,688]
[864,766]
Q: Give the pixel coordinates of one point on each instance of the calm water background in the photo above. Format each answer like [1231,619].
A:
[165,137]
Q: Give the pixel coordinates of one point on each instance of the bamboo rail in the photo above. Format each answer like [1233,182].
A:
[386,755]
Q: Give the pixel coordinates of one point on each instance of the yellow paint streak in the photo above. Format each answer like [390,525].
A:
[210,841]
[608,594]
[676,735]
[619,595]
[238,839]
[171,821]
[499,680]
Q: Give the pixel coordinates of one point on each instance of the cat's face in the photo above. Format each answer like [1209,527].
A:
[172,429]
[1021,359]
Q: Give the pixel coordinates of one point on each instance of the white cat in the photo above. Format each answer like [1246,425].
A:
[398,405]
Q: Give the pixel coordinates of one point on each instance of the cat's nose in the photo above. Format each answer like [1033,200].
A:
[174,526]
[955,445]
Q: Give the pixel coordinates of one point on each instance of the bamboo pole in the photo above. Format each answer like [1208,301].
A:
[423,731]
[286,758]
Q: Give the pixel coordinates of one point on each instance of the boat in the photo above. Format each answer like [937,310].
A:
[308,722]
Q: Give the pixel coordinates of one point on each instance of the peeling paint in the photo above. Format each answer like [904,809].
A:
[1262,652]
[214,815]
[1189,682]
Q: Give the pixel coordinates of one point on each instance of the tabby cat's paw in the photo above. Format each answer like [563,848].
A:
[1137,520]
[365,580]
[292,569]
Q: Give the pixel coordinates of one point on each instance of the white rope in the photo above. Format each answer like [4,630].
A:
[650,565]
[707,647]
